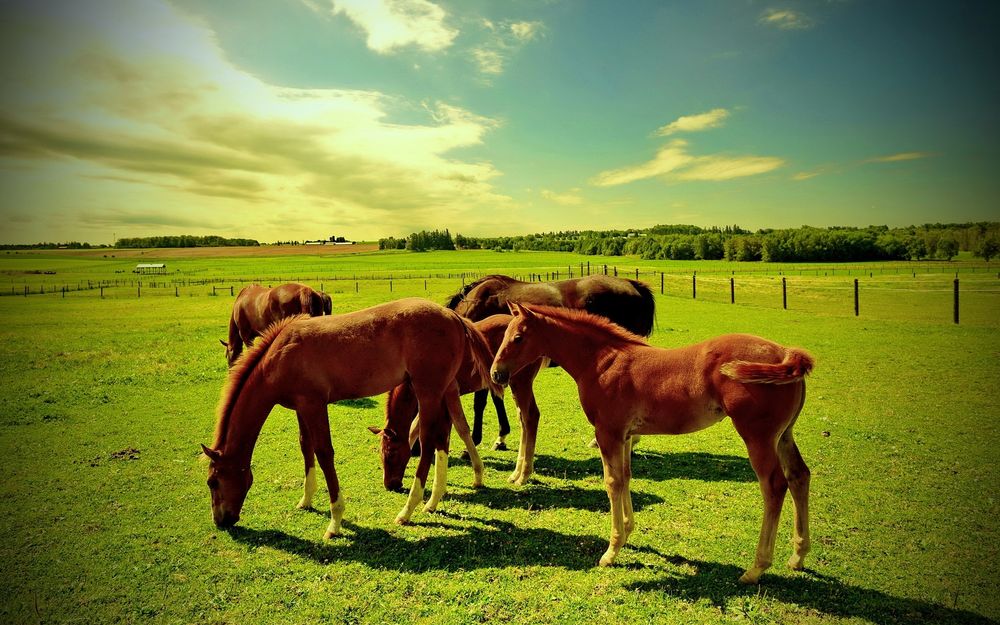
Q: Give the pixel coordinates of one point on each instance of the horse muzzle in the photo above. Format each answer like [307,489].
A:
[224,519]
[500,376]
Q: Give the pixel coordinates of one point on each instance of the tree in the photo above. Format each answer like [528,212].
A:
[988,248]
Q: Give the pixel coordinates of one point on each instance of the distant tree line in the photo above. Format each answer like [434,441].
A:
[422,241]
[183,240]
[71,245]
[687,242]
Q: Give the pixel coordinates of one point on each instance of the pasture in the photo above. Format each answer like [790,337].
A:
[105,515]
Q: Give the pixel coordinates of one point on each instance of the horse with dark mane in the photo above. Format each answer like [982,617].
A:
[256,307]
[401,408]
[628,387]
[628,303]
[305,363]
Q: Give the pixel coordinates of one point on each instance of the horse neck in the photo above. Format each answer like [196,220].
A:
[245,423]
[576,350]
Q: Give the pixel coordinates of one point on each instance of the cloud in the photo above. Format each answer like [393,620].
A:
[569,198]
[901,156]
[502,41]
[166,121]
[526,31]
[694,123]
[392,24]
[673,162]
[786,19]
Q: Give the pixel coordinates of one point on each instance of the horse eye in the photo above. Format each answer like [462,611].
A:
[517,338]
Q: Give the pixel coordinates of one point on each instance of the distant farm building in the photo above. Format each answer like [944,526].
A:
[150,268]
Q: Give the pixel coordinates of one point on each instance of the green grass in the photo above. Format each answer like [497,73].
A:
[105,513]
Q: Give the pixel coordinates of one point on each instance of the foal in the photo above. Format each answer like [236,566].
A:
[628,387]
[305,363]
[401,408]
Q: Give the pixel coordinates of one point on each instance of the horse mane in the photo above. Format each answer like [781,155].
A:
[457,298]
[241,372]
[595,323]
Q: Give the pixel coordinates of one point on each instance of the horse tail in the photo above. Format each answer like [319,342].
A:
[242,371]
[645,310]
[796,365]
[482,355]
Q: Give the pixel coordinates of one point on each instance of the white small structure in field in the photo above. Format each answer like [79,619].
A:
[150,268]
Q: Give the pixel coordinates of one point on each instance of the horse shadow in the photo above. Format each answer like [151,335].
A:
[718,584]
[549,497]
[651,465]
[489,543]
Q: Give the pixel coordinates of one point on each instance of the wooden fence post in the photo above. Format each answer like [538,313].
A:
[784,294]
[855,297]
[732,291]
[694,286]
[230,290]
[956,300]
[661,283]
[636,273]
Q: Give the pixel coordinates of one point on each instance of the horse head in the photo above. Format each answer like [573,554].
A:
[228,484]
[515,351]
[395,452]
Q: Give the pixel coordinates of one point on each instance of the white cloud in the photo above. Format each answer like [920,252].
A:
[137,107]
[694,123]
[786,19]
[673,162]
[392,24]
[901,156]
[526,31]
[502,41]
[568,198]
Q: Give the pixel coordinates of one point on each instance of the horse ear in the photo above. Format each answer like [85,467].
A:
[374,430]
[224,344]
[525,311]
[211,453]
[514,308]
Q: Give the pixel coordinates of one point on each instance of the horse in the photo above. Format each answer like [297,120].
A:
[256,307]
[628,387]
[375,350]
[327,303]
[628,303]
[401,408]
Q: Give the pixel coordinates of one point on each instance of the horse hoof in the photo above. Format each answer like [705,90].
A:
[328,535]
[400,520]
[499,446]
[796,562]
[751,576]
[304,505]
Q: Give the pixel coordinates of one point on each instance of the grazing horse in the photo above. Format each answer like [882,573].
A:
[304,363]
[628,387]
[629,303]
[257,307]
[401,408]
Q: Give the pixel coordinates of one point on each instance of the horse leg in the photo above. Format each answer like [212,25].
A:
[478,408]
[501,443]
[797,475]
[613,458]
[627,512]
[318,428]
[428,435]
[453,403]
[773,486]
[527,413]
[309,459]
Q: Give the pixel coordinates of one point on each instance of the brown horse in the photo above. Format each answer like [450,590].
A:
[401,408]
[257,307]
[376,349]
[629,303]
[628,387]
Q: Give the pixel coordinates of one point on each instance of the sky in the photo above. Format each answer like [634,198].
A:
[303,119]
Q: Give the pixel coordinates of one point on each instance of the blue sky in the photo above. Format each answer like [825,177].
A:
[298,119]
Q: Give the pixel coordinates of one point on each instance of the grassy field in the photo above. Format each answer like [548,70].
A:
[105,514]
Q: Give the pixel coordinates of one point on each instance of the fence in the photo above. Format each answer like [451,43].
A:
[811,289]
